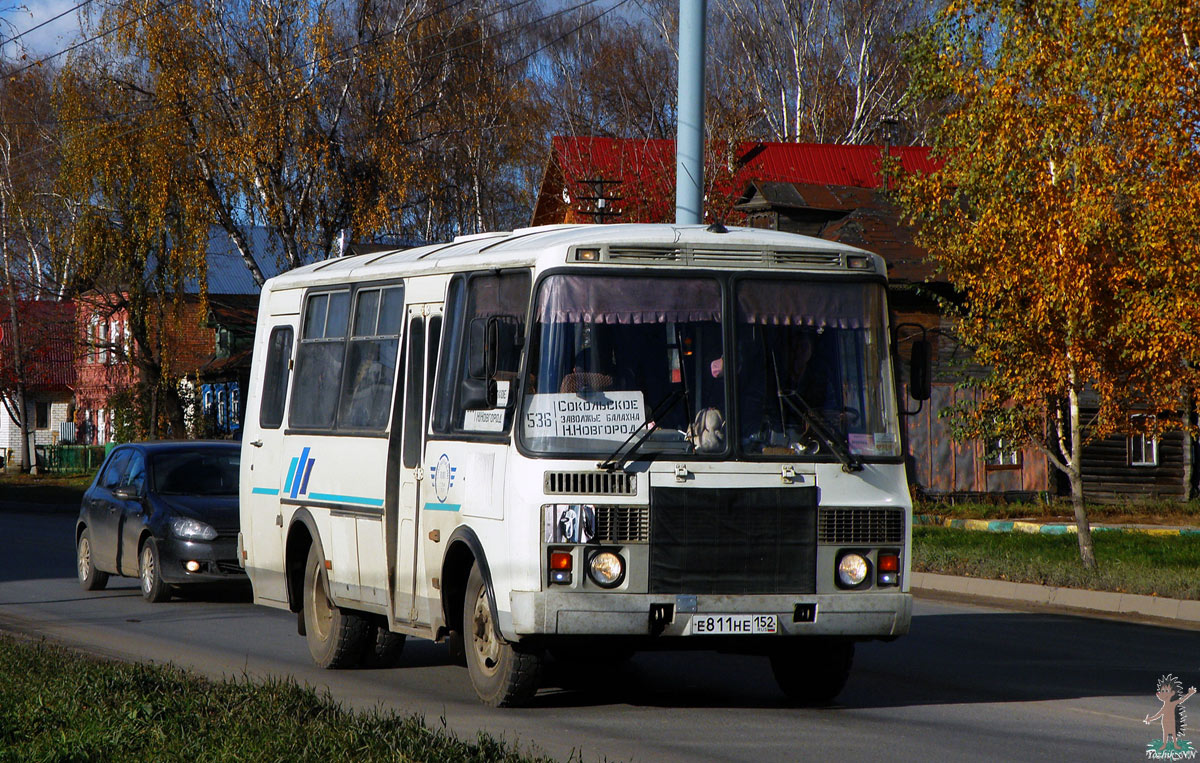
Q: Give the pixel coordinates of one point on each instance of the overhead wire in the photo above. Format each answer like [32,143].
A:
[329,58]
[51,20]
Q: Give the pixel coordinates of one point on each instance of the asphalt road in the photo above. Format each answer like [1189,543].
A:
[969,682]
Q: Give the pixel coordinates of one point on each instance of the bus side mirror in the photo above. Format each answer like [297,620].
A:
[479,387]
[920,370]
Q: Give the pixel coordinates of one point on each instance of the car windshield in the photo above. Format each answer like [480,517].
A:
[196,472]
[812,365]
[608,351]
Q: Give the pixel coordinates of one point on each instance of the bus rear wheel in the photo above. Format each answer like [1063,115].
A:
[503,674]
[336,638]
[813,673]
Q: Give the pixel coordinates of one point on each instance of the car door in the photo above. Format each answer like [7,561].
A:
[105,511]
[133,512]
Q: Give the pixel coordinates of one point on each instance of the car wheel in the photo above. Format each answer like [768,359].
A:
[90,578]
[813,673]
[154,589]
[336,638]
[503,674]
[382,648]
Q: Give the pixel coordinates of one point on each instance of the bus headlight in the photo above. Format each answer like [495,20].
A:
[606,569]
[852,570]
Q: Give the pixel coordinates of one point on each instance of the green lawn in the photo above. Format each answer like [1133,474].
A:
[1140,512]
[43,488]
[60,706]
[1127,562]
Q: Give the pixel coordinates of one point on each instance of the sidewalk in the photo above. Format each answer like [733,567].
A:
[1044,528]
[1178,612]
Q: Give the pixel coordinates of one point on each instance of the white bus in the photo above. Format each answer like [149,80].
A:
[581,441]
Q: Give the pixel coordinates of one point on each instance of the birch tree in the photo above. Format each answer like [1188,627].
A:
[1068,215]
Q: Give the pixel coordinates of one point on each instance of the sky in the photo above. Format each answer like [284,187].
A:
[16,18]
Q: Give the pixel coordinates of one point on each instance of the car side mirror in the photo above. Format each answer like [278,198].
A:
[920,370]
[127,493]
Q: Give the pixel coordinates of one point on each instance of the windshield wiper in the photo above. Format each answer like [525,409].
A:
[839,445]
[612,463]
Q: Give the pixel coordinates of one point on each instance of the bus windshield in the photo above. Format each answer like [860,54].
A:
[812,366]
[614,357]
[608,351]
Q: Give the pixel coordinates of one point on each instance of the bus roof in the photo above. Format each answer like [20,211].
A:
[619,244]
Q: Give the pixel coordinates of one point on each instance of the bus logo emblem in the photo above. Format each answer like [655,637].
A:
[443,477]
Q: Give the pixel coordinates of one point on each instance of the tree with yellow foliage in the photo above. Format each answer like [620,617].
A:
[1067,214]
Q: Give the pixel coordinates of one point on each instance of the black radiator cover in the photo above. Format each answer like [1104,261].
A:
[733,540]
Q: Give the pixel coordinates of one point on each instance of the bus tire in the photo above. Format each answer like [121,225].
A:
[813,673]
[90,578]
[503,674]
[335,637]
[382,648]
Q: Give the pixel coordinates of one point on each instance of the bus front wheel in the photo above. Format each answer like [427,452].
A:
[503,674]
[336,638]
[813,673]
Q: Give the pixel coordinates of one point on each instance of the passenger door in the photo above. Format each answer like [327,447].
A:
[424,323]
[104,510]
[133,513]
[261,516]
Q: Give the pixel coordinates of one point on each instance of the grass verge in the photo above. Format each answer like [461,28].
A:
[1126,562]
[1139,512]
[61,706]
[43,488]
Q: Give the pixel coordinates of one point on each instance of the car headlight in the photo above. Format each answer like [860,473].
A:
[606,569]
[852,570]
[192,529]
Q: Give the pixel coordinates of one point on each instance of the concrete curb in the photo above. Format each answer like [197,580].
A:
[1180,611]
[1039,528]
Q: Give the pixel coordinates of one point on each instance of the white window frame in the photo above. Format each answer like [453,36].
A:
[1001,457]
[1142,448]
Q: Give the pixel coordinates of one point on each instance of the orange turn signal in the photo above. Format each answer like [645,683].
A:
[889,563]
[560,560]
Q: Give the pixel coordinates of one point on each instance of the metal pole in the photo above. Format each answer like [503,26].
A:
[689,143]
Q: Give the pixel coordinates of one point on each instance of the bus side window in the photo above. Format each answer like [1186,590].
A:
[371,359]
[414,395]
[319,361]
[504,297]
[275,380]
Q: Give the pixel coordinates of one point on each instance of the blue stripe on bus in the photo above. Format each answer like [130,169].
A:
[346,499]
[287,486]
[443,506]
[265,491]
[295,489]
[307,472]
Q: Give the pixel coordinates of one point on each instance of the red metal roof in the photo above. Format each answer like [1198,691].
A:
[47,334]
[642,173]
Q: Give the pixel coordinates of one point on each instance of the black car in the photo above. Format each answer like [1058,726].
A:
[166,512]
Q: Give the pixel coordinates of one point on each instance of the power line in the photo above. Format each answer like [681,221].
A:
[329,58]
[44,23]
[93,38]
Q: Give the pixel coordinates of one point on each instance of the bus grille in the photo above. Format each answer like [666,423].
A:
[860,525]
[590,483]
[622,524]
[733,541]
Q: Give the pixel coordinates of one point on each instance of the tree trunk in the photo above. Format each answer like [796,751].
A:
[1075,474]
[15,326]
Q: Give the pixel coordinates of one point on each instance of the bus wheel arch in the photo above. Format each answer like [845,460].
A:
[463,552]
[302,534]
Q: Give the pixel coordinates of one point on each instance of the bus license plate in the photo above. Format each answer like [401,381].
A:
[733,625]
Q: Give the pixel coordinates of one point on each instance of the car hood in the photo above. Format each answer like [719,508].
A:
[218,510]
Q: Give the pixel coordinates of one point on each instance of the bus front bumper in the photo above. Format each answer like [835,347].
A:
[859,615]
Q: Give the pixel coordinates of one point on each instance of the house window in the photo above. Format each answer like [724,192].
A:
[1143,448]
[41,415]
[1002,455]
